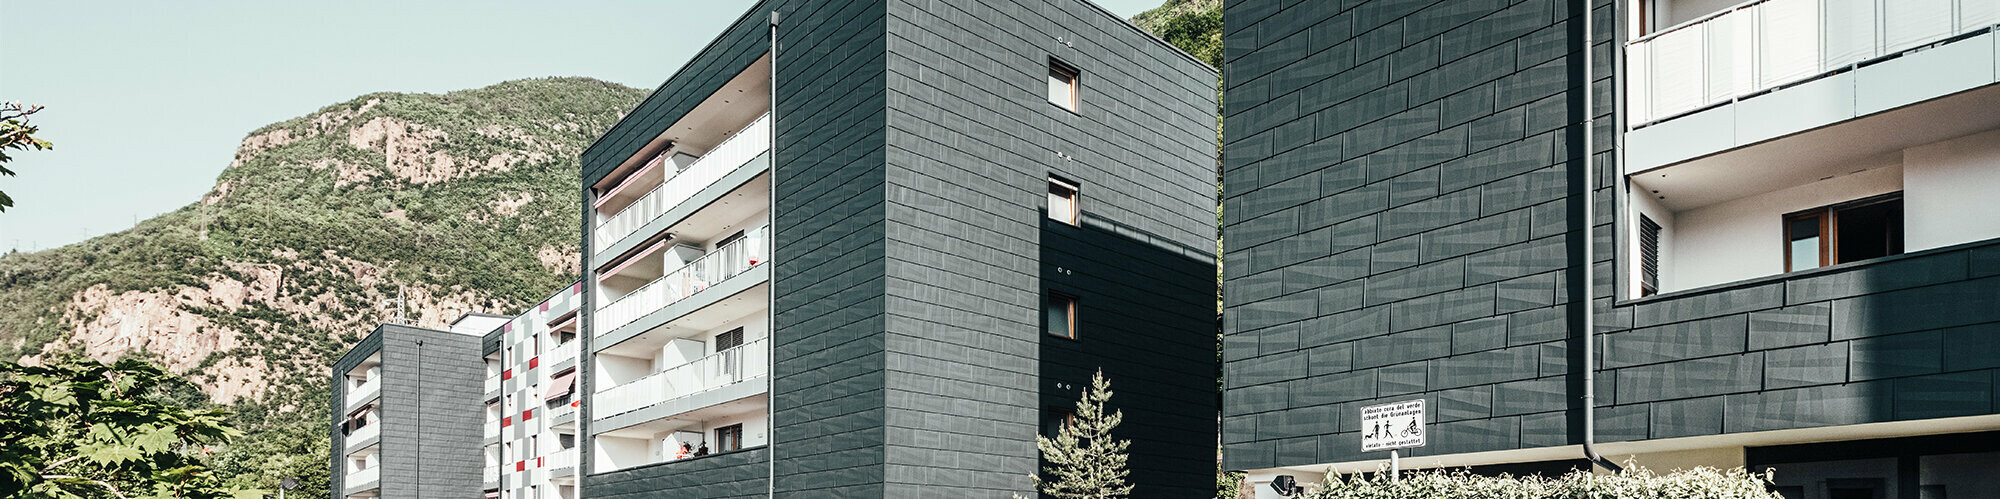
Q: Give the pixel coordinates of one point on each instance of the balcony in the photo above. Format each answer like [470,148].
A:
[362,479]
[565,458]
[1759,46]
[560,353]
[493,386]
[710,372]
[491,479]
[363,437]
[716,266]
[368,390]
[747,144]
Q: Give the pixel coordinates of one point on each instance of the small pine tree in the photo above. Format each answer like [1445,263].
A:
[1085,462]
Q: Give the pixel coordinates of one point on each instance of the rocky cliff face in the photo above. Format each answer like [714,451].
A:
[459,202]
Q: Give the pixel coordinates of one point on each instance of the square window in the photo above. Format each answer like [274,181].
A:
[1063,200]
[1063,85]
[1060,316]
[1055,419]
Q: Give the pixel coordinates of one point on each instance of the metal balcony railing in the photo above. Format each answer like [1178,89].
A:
[362,479]
[710,372]
[560,353]
[723,263]
[747,144]
[1766,44]
[354,438]
[366,392]
[560,459]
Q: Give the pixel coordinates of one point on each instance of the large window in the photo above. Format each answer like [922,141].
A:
[729,438]
[1063,201]
[1063,85]
[1061,316]
[1846,232]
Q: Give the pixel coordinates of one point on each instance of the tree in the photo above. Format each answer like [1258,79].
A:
[16,133]
[1085,462]
[80,428]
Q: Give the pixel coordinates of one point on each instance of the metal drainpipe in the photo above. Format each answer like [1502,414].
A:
[1588,299]
[771,299]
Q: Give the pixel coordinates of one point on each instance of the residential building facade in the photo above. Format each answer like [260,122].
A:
[874,261]
[1756,228]
[531,403]
[405,412]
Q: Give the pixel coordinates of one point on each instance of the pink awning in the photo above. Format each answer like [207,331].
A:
[561,386]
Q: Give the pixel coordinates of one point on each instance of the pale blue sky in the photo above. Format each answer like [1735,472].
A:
[147,100]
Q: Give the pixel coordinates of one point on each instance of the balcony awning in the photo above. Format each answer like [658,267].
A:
[562,386]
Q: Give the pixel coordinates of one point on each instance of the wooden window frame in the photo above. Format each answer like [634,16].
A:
[1069,311]
[736,430]
[1075,78]
[1828,217]
[1075,215]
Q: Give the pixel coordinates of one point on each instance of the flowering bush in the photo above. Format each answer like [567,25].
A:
[1634,483]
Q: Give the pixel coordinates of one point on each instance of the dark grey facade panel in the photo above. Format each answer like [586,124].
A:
[971,143]
[828,398]
[1403,183]
[432,391]
[739,474]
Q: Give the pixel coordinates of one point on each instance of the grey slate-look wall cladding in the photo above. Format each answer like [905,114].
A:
[1396,225]
[972,140]
[430,411]
[1403,221]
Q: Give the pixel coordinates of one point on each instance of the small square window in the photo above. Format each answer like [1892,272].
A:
[1055,419]
[1061,316]
[1062,201]
[1063,85]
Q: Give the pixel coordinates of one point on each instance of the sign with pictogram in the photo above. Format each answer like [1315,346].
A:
[1395,425]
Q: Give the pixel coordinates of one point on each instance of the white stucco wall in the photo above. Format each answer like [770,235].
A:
[1744,238]
[1949,190]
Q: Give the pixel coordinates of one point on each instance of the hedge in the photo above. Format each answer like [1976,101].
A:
[1634,483]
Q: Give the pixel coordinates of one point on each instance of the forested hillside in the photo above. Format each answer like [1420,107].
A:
[457,202]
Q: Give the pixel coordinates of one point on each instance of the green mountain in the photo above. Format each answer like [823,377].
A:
[1193,25]
[456,202]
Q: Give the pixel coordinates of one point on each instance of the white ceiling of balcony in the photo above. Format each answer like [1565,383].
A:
[1821,153]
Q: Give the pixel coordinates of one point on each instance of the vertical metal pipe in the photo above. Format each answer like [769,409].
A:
[771,299]
[1589,298]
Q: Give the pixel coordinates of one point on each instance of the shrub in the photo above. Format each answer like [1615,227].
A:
[1634,483]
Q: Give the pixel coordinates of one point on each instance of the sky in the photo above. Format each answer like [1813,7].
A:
[146,101]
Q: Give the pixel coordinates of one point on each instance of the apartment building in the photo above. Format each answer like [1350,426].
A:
[531,402]
[868,249]
[405,412]
[1682,232]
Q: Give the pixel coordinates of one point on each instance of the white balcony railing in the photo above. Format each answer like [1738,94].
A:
[710,372]
[492,428]
[493,383]
[560,353]
[366,392]
[749,142]
[561,410]
[362,479]
[723,263]
[1765,44]
[354,438]
[492,476]
[565,458]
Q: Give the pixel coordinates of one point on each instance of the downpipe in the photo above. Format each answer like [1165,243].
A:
[1588,300]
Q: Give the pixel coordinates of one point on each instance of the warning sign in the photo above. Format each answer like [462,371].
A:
[1392,426]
